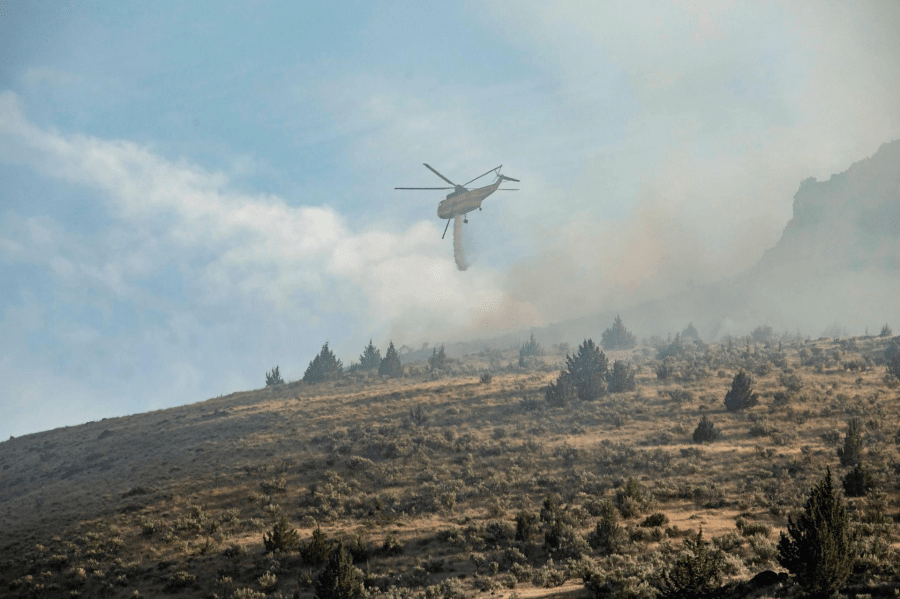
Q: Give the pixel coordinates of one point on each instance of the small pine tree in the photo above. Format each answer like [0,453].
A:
[851,453]
[281,538]
[607,536]
[274,378]
[817,549]
[582,367]
[390,365]
[617,336]
[323,367]
[370,358]
[706,432]
[340,579]
[741,395]
[620,378]
[562,392]
[316,551]
[696,574]
[886,331]
[438,359]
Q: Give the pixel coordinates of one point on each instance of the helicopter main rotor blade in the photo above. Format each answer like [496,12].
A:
[445,228]
[480,176]
[440,175]
[510,178]
[424,188]
[507,189]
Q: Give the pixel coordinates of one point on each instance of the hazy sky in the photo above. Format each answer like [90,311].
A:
[192,193]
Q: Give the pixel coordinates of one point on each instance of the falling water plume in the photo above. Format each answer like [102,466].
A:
[458,254]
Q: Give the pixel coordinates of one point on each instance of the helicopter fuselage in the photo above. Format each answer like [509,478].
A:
[458,203]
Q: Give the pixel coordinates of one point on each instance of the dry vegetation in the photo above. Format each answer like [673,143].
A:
[452,484]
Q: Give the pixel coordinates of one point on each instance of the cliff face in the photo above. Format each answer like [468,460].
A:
[849,223]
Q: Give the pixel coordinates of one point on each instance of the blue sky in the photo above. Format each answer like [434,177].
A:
[192,193]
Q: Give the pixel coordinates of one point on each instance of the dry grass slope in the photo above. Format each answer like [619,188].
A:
[423,477]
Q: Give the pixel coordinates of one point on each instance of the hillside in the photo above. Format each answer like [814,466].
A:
[427,476]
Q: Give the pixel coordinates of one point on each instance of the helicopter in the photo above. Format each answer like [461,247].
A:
[461,200]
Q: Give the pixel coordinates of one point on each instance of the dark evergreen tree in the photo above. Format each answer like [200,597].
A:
[617,336]
[323,367]
[858,482]
[696,574]
[886,331]
[317,550]
[438,359]
[340,579]
[817,549]
[851,453]
[584,368]
[390,365]
[893,365]
[370,358]
[281,538]
[620,378]
[607,536]
[741,395]
[706,432]
[274,378]
[690,332]
[562,392]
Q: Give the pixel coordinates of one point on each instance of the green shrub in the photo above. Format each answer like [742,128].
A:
[528,528]
[562,392]
[696,573]
[817,549]
[653,520]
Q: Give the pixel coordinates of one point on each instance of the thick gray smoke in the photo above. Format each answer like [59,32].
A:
[458,253]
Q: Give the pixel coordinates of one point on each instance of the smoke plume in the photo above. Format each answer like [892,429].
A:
[458,253]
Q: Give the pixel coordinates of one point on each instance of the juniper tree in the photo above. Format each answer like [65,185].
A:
[607,536]
[370,358]
[323,367]
[885,331]
[690,332]
[706,431]
[390,364]
[584,368]
[858,482]
[617,336]
[851,453]
[274,378]
[817,549]
[672,350]
[530,349]
[893,366]
[340,579]
[741,395]
[562,392]
[620,378]
[281,538]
